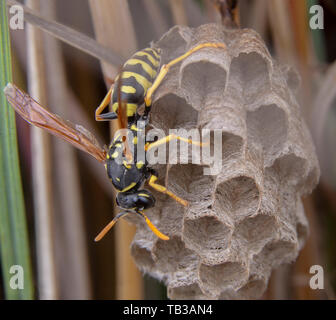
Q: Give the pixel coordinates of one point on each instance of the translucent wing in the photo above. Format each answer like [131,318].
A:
[36,115]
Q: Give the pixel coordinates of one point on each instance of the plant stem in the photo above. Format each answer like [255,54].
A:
[14,245]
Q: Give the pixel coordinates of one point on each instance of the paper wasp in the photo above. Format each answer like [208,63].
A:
[129,176]
[126,177]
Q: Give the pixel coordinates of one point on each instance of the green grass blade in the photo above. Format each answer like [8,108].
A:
[14,246]
[317,36]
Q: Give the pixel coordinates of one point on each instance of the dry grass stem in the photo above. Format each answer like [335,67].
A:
[41,162]
[72,247]
[178,12]
[70,36]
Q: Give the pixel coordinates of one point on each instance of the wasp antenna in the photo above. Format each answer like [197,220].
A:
[108,227]
[153,228]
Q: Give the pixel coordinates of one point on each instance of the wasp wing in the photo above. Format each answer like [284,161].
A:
[36,115]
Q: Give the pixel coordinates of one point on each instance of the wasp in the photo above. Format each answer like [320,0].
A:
[134,86]
[140,78]
[127,177]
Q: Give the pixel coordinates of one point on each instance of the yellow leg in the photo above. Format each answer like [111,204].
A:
[103,105]
[153,228]
[110,225]
[122,214]
[165,68]
[164,190]
[166,139]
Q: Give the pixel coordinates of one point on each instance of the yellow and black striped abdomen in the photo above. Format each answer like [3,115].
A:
[138,75]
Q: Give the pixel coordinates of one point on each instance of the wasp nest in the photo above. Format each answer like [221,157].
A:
[247,219]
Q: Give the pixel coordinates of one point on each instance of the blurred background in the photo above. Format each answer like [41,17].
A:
[72,189]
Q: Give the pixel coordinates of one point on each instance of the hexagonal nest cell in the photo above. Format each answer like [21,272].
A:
[248,218]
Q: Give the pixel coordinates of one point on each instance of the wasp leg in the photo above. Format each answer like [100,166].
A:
[152,227]
[166,139]
[110,225]
[103,105]
[164,190]
[165,68]
[122,214]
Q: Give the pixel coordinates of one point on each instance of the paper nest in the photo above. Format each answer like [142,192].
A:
[248,219]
